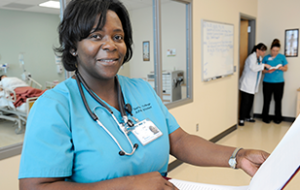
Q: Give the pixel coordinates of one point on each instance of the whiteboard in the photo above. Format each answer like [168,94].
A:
[217,50]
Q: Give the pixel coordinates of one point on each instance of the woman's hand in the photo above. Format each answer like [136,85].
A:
[269,71]
[267,66]
[283,68]
[151,181]
[250,160]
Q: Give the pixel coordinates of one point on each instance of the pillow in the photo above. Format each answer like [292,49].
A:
[12,83]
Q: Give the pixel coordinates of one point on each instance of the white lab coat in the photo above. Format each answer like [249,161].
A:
[248,79]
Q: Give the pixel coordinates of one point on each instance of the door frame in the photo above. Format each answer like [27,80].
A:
[251,43]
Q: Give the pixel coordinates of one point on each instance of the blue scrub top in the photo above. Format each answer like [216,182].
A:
[62,140]
[277,75]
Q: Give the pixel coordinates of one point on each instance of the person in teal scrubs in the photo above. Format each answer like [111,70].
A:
[273,82]
[77,136]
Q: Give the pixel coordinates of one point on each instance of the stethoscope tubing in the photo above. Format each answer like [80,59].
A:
[80,80]
[116,141]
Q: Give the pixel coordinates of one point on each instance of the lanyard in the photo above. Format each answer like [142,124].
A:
[123,108]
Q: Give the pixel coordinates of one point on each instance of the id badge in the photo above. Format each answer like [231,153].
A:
[146,131]
[270,58]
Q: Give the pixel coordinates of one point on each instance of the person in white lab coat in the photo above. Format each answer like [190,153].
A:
[249,81]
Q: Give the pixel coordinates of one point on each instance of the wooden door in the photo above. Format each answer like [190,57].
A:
[243,44]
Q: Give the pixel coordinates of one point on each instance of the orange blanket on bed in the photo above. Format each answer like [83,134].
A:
[22,93]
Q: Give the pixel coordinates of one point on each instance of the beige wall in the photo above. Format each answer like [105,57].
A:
[215,103]
[274,17]
[9,169]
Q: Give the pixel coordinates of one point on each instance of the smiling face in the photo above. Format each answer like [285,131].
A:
[101,54]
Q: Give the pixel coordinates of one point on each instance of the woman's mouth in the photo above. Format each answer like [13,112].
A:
[108,61]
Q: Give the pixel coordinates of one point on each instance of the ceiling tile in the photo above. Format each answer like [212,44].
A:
[17,6]
[130,5]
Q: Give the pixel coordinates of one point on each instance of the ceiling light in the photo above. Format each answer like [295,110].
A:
[51,4]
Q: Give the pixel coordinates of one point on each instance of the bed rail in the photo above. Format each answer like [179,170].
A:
[9,112]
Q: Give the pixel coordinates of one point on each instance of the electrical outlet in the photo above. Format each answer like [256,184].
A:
[197,127]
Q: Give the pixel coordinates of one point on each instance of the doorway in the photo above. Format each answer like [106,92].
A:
[246,43]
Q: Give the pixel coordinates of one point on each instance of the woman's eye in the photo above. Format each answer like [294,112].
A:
[119,37]
[95,36]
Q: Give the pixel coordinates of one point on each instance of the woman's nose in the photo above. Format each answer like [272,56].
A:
[109,44]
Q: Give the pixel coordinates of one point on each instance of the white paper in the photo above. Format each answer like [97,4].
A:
[276,67]
[186,185]
[281,164]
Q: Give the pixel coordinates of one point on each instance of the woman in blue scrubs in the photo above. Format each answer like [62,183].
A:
[273,82]
[77,136]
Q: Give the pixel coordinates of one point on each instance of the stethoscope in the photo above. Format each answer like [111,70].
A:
[123,109]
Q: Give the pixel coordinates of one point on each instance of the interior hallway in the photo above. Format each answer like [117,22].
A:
[256,135]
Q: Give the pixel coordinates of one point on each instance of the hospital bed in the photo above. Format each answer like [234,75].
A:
[33,83]
[15,114]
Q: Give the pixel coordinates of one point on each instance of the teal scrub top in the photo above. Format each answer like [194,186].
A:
[62,140]
[277,75]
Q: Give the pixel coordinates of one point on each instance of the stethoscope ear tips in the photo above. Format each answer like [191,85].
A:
[135,146]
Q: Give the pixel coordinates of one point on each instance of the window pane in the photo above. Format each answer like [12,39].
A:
[27,41]
[142,63]
[174,50]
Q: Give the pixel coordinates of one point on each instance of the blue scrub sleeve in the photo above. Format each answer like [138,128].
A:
[47,149]
[171,121]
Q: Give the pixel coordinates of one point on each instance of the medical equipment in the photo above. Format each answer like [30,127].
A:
[123,109]
[22,65]
[33,83]
[58,63]
[30,81]
[11,107]
[27,76]
[4,67]
[51,84]
[171,85]
[16,114]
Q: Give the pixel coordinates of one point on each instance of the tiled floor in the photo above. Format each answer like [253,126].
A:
[256,135]
[7,134]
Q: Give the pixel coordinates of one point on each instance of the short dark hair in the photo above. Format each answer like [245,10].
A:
[259,46]
[2,76]
[78,21]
